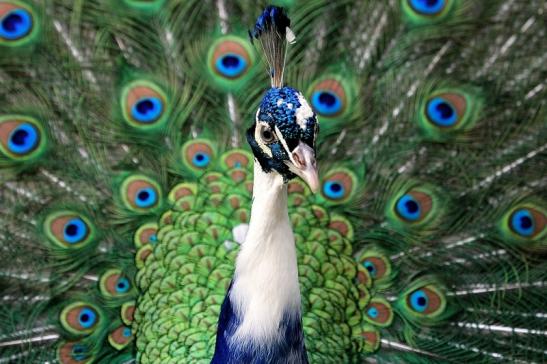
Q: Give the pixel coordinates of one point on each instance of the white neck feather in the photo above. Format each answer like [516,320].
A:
[266,276]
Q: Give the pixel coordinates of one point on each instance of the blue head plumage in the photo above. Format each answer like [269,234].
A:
[283,135]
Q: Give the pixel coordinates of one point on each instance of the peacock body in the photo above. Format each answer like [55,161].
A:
[127,182]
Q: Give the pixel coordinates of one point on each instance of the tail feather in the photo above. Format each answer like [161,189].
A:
[119,179]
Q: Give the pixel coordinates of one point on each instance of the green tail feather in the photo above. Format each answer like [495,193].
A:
[126,182]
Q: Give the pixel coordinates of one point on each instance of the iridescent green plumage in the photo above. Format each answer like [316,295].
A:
[126,181]
[187,275]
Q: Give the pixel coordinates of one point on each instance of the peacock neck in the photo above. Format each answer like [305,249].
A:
[265,292]
[260,320]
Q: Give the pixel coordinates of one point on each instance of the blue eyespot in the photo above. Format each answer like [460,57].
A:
[231,65]
[334,190]
[326,103]
[87,318]
[123,285]
[146,197]
[408,208]
[147,109]
[23,139]
[229,59]
[370,267]
[419,301]
[441,112]
[126,332]
[428,7]
[15,24]
[522,222]
[79,352]
[201,160]
[75,231]
[372,312]
[153,239]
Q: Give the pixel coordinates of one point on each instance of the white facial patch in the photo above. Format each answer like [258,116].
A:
[258,138]
[283,142]
[304,112]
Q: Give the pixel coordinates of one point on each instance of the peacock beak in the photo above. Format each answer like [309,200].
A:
[304,165]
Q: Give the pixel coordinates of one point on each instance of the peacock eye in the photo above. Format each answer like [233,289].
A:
[527,222]
[427,7]
[16,23]
[267,135]
[80,318]
[22,138]
[69,229]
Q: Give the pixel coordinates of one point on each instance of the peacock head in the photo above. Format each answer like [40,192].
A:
[283,136]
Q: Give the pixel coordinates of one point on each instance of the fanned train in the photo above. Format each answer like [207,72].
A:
[127,179]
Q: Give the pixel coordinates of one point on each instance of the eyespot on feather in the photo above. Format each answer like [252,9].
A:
[378,312]
[364,277]
[376,266]
[113,283]
[127,312]
[424,302]
[80,318]
[328,97]
[427,7]
[447,113]
[120,337]
[146,234]
[416,206]
[426,12]
[333,97]
[18,24]
[446,110]
[198,154]
[230,58]
[523,224]
[413,206]
[69,229]
[22,138]
[339,186]
[371,336]
[140,193]
[527,222]
[73,352]
[144,105]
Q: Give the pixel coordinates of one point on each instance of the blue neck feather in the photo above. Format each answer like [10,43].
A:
[289,349]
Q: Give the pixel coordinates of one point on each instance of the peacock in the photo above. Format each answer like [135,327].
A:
[336,182]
